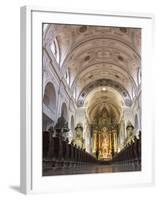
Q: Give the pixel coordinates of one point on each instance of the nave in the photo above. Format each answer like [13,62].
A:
[91,103]
[91,169]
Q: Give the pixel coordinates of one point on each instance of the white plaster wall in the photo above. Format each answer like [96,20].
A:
[52,73]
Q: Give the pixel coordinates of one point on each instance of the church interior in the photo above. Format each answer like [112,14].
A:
[91,104]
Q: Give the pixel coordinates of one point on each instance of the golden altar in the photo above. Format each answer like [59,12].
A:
[104,143]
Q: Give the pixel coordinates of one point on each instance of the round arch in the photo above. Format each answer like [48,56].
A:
[49,98]
[64,111]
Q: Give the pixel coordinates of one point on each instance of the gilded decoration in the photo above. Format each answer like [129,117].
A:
[104,136]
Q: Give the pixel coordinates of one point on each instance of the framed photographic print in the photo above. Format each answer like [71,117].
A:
[86,100]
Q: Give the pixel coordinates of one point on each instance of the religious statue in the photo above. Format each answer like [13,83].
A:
[105,143]
[78,139]
[130,129]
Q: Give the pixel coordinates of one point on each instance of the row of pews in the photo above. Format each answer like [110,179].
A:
[58,153]
[130,154]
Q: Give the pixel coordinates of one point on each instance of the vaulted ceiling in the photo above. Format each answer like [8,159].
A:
[98,57]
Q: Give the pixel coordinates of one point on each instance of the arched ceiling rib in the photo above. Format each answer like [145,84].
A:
[73,35]
[99,51]
[104,83]
[104,42]
[104,71]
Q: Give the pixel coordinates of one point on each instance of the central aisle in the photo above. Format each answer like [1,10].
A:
[89,169]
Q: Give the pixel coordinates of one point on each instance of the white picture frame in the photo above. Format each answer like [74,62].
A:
[31,83]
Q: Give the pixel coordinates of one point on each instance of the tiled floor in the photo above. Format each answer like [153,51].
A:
[90,169]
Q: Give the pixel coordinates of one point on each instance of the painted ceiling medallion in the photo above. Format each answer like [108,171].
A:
[91,76]
[83,29]
[120,58]
[87,58]
[123,30]
[117,76]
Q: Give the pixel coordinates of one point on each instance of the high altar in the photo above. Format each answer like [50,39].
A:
[104,139]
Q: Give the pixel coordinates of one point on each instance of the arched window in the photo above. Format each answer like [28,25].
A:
[74,93]
[133,92]
[45,26]
[64,112]
[50,96]
[55,50]
[139,76]
[67,76]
